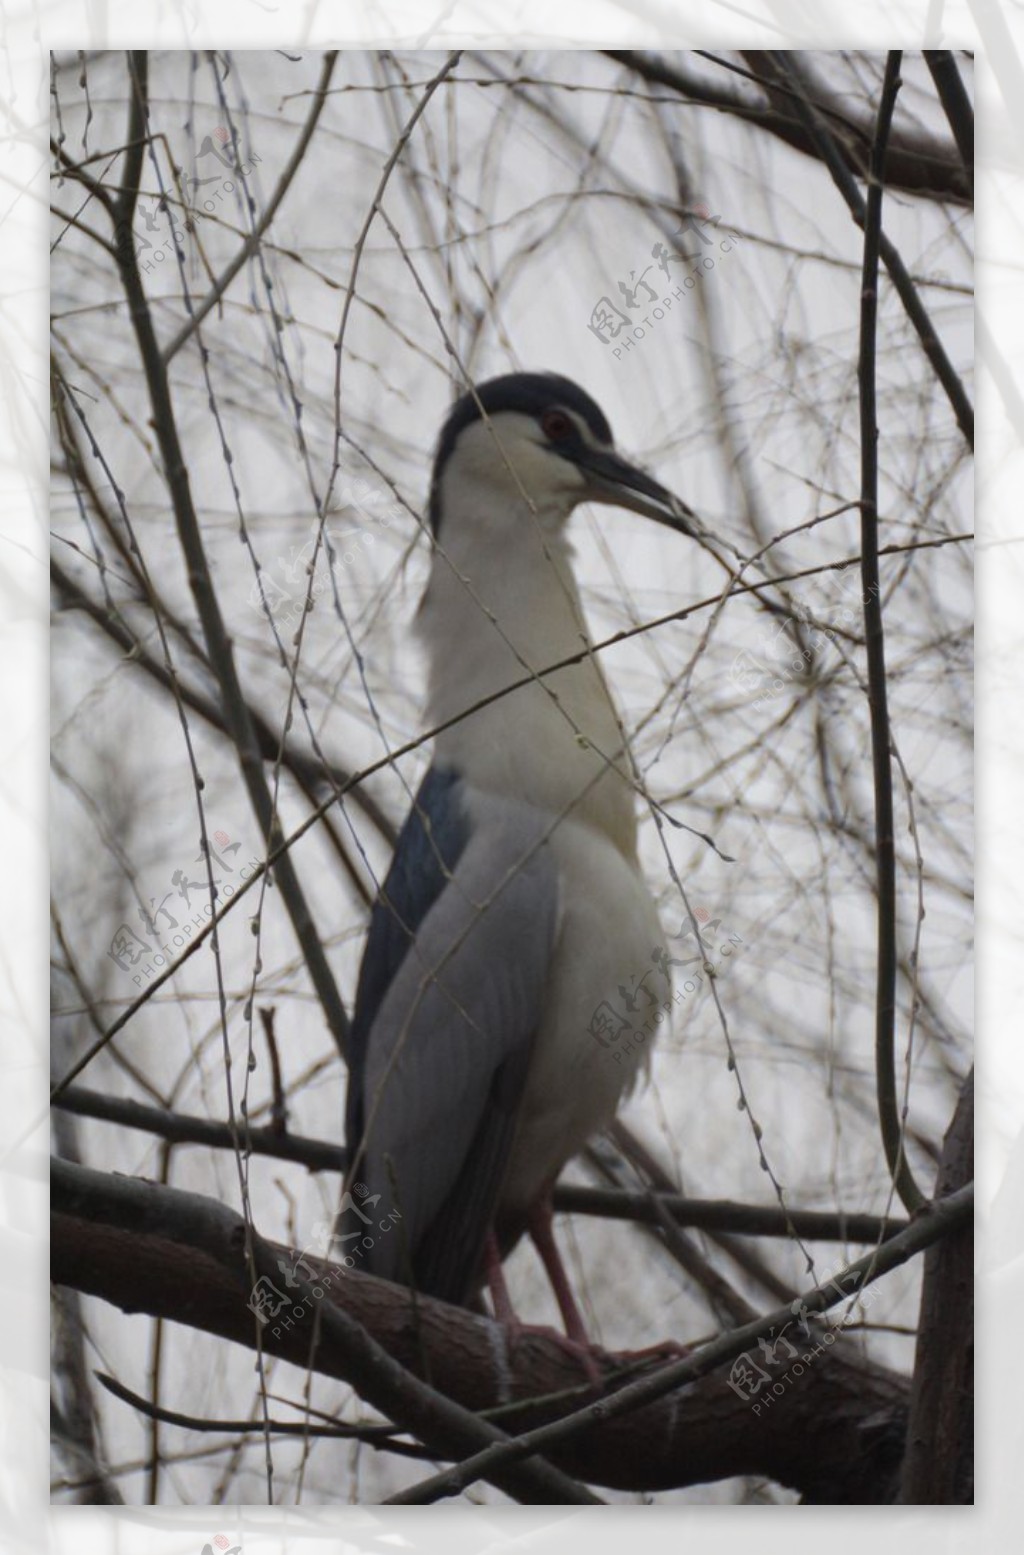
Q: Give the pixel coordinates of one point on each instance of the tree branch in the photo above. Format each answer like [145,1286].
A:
[956,104]
[940,1220]
[311,774]
[415,744]
[892,1125]
[922,164]
[890,255]
[252,242]
[609,1203]
[157,1250]
[181,1129]
[939,1466]
[218,643]
[123,1212]
[306,1428]
[726,1215]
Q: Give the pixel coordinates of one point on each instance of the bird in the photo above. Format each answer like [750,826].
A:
[514,903]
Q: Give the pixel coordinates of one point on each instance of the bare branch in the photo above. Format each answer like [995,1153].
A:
[252,242]
[881,741]
[219,648]
[159,1250]
[940,1220]
[956,103]
[724,1215]
[125,1213]
[417,743]
[922,164]
[939,1466]
[317,1155]
[898,273]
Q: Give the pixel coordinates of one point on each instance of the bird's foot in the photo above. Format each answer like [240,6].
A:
[584,1354]
[665,1350]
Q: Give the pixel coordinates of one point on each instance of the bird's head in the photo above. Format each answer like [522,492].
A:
[536,438]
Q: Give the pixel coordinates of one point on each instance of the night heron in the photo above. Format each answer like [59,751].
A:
[514,907]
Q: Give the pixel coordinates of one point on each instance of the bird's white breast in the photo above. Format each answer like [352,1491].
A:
[590,1044]
[502,601]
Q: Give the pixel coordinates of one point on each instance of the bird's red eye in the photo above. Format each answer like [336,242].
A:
[556,425]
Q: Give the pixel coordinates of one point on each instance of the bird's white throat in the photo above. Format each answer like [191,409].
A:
[502,604]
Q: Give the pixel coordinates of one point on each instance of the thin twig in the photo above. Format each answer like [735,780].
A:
[415,744]
[312,774]
[252,241]
[380,1436]
[218,643]
[891,258]
[357,253]
[278,1106]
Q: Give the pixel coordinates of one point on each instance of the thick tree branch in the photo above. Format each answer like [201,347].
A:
[156,1250]
[956,104]
[939,1466]
[224,1249]
[939,1221]
[922,165]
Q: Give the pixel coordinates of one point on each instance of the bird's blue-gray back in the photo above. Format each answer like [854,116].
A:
[443,1058]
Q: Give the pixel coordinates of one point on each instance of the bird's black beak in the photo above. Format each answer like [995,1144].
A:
[612,479]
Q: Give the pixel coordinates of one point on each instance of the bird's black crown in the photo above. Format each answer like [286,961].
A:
[531,394]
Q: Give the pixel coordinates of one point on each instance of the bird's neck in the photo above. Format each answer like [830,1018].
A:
[502,605]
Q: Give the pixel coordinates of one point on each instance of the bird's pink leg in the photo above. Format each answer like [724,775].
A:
[575,1340]
[502,1301]
[540,1226]
[579,1348]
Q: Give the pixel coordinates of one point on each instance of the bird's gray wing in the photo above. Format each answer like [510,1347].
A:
[446,1057]
[429,846]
